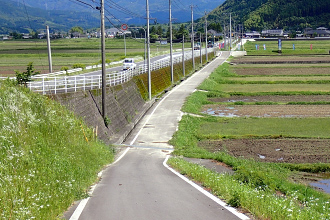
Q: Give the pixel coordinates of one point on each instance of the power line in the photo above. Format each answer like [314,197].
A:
[84,3]
[124,10]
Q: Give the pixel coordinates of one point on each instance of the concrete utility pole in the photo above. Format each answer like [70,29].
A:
[206,38]
[224,36]
[171,45]
[49,51]
[192,36]
[103,60]
[148,49]
[183,64]
[230,32]
[125,42]
[242,37]
[200,48]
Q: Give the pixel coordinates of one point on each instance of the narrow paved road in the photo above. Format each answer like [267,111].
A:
[139,186]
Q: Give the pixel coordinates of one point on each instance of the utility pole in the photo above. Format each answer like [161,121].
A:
[224,36]
[125,43]
[183,63]
[206,38]
[192,36]
[230,32]
[49,51]
[148,49]
[242,37]
[171,52]
[200,48]
[103,60]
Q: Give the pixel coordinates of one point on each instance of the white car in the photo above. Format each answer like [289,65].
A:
[129,64]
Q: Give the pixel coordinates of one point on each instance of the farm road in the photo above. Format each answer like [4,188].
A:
[139,186]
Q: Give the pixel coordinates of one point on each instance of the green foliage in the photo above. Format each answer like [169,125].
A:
[107,121]
[65,68]
[77,29]
[271,14]
[183,31]
[46,161]
[23,77]
[79,65]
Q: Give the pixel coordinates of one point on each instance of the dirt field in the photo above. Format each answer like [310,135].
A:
[282,59]
[266,111]
[274,150]
[275,98]
[282,71]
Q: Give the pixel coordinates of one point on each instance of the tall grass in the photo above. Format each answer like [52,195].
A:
[48,158]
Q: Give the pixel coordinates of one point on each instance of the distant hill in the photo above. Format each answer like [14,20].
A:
[16,17]
[272,14]
[64,14]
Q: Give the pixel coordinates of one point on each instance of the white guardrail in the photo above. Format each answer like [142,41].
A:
[52,84]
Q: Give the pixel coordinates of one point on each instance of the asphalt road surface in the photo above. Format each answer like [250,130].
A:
[140,185]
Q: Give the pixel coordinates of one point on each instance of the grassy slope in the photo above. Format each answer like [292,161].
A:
[46,162]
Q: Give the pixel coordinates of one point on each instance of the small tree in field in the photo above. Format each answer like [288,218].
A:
[24,77]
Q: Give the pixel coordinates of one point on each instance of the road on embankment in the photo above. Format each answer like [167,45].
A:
[140,185]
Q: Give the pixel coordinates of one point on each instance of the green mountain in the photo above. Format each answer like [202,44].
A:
[23,19]
[272,14]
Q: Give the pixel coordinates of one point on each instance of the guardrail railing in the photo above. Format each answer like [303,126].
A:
[59,84]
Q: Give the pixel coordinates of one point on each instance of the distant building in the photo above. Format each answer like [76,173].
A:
[214,33]
[319,32]
[112,32]
[253,34]
[26,36]
[272,33]
[6,37]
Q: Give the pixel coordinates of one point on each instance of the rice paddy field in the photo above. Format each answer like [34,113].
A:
[278,99]
[16,54]
[267,118]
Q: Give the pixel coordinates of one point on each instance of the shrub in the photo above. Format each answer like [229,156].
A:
[79,65]
[24,77]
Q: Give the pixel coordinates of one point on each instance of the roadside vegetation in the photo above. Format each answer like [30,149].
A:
[48,157]
[274,155]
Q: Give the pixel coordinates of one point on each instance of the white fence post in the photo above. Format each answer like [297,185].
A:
[65,84]
[55,87]
[43,86]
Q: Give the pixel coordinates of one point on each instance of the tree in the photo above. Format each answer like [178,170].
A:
[77,29]
[153,30]
[215,26]
[24,77]
[159,31]
[182,31]
[16,35]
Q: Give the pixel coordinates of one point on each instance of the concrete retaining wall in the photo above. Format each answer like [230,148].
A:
[124,107]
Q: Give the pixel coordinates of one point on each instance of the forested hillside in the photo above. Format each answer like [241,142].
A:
[20,18]
[272,14]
